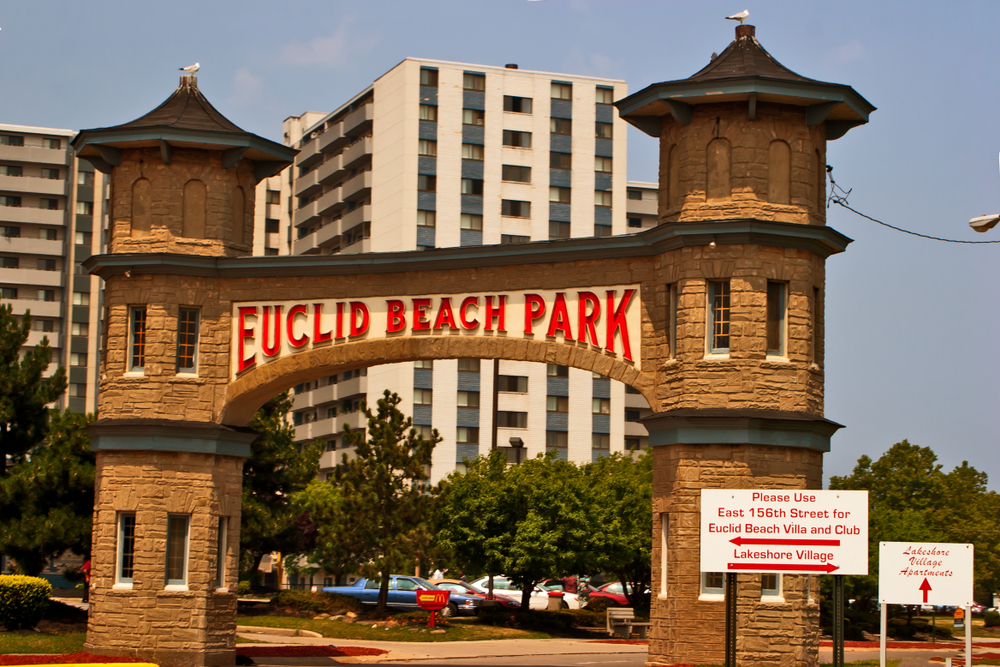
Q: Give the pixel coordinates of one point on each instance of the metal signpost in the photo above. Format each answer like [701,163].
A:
[784,531]
[920,573]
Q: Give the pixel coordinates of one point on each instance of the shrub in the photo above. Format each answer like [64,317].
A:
[552,622]
[600,604]
[315,603]
[23,600]
[244,588]
[991,619]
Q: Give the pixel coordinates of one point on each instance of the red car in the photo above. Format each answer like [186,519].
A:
[463,588]
[591,592]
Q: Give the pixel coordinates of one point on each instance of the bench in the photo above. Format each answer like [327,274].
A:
[621,621]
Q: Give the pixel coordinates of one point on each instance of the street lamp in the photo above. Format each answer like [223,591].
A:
[515,453]
[984,222]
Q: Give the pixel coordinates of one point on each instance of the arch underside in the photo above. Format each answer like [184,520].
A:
[256,386]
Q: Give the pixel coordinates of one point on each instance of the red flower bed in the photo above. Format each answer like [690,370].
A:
[306,651]
[961,661]
[935,645]
[64,659]
[249,651]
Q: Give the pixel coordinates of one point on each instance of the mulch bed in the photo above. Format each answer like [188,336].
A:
[64,659]
[892,644]
[249,652]
[306,651]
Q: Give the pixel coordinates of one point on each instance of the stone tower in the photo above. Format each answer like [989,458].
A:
[167,507]
[740,399]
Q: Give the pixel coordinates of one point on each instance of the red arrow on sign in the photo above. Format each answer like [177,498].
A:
[798,567]
[925,587]
[740,541]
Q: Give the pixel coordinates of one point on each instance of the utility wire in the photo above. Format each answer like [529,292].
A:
[839,196]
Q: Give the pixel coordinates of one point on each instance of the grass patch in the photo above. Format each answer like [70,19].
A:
[978,627]
[41,642]
[457,629]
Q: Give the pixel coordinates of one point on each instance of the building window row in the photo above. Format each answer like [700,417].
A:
[187,338]
[177,556]
[720,307]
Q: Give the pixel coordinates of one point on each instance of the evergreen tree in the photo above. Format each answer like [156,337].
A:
[47,500]
[24,393]
[385,503]
[276,469]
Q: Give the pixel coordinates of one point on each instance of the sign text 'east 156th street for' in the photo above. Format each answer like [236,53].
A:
[604,319]
[925,573]
[785,531]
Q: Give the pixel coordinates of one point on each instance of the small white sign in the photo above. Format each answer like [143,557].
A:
[925,573]
[785,531]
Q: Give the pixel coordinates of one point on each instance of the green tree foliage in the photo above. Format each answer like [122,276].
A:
[276,469]
[24,394]
[910,498]
[528,521]
[374,514]
[621,507]
[47,500]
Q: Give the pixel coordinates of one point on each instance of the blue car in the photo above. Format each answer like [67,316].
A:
[403,594]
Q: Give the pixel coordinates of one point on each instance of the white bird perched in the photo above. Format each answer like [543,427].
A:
[741,17]
[191,69]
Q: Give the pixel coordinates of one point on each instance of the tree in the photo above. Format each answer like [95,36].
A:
[910,498]
[382,504]
[621,506]
[24,393]
[47,500]
[527,521]
[276,469]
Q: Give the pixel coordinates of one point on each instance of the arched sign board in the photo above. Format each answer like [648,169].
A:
[603,319]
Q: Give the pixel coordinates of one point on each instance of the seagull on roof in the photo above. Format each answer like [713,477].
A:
[741,17]
[191,69]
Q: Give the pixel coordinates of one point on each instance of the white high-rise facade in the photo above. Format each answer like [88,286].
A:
[442,154]
[51,211]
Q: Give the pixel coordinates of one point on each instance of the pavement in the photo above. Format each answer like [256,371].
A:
[406,651]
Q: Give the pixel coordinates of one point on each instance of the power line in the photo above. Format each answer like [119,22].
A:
[839,196]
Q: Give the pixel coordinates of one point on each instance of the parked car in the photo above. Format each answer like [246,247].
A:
[464,588]
[591,592]
[539,596]
[403,594]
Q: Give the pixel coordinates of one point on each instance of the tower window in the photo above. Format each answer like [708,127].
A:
[718,303]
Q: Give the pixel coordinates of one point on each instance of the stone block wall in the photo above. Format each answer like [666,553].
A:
[687,628]
[720,152]
[143,619]
[152,203]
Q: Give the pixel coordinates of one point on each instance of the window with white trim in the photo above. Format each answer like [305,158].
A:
[718,309]
[713,586]
[177,549]
[777,303]
[126,548]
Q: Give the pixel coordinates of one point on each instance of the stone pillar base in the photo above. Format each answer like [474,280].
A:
[169,657]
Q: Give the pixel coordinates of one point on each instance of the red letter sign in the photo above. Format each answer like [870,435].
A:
[534,308]
[616,321]
[463,312]
[588,333]
[246,332]
[395,316]
[298,309]
[359,308]
[495,313]
[560,319]
[274,346]
[318,335]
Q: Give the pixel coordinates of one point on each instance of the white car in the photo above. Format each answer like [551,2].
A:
[539,597]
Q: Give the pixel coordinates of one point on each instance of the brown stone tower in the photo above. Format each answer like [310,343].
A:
[740,398]
[167,510]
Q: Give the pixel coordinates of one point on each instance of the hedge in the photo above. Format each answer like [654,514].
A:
[23,600]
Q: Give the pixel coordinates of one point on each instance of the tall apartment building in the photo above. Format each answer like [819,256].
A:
[51,208]
[438,154]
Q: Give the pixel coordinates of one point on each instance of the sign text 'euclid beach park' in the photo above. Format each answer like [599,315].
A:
[605,319]
[785,531]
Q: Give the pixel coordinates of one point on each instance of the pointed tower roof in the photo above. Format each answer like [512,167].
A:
[185,119]
[746,71]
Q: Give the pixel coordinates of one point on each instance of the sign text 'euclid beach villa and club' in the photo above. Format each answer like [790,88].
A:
[602,318]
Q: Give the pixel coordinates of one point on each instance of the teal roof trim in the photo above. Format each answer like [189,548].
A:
[824,241]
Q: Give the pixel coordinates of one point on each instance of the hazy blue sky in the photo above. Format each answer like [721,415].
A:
[913,326]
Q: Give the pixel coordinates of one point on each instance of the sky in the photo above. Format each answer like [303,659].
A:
[912,325]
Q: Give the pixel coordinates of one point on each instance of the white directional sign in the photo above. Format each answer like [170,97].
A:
[925,573]
[787,531]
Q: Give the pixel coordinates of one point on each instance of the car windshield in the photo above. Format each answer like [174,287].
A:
[426,584]
[543,587]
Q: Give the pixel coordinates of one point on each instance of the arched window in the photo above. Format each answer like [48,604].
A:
[239,216]
[141,209]
[719,159]
[195,197]
[779,172]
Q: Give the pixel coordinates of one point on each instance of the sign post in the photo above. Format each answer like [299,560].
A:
[433,601]
[784,531]
[919,573]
